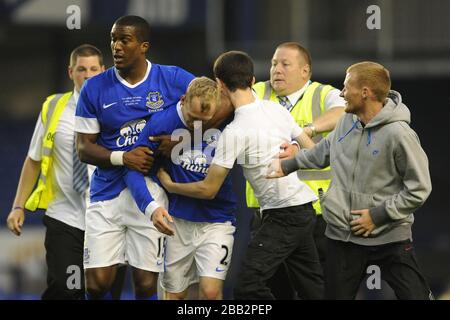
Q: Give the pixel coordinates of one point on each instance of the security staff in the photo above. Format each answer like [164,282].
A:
[63,183]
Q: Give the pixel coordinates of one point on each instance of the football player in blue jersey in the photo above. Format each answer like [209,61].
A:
[202,231]
[112,110]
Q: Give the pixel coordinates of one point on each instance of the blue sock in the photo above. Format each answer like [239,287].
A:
[153,297]
[106,296]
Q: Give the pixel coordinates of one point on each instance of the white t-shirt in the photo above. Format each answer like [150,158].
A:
[253,138]
[68,206]
[332,99]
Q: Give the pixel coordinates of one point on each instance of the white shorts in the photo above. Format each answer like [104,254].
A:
[118,232]
[198,249]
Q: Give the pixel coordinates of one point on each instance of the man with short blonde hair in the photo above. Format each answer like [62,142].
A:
[373,75]
[380,178]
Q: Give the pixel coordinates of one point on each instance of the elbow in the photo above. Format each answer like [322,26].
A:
[82,154]
[209,193]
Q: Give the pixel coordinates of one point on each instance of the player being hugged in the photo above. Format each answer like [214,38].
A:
[112,110]
[202,231]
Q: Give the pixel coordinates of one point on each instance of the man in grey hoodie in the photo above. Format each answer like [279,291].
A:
[380,177]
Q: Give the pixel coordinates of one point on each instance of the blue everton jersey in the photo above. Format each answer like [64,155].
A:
[191,165]
[118,111]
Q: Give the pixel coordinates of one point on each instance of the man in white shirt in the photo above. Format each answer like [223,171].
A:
[253,139]
[65,211]
[316,107]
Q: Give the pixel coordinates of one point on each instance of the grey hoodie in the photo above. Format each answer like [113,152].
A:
[380,167]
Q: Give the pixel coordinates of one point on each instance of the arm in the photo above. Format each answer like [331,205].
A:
[317,157]
[303,141]
[28,177]
[412,165]
[205,189]
[325,122]
[135,182]
[334,108]
[139,159]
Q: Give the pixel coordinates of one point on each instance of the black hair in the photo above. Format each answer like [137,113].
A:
[235,69]
[141,26]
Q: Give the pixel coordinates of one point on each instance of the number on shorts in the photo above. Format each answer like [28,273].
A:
[223,261]
[161,246]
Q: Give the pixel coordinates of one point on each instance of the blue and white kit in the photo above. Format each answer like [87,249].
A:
[117,112]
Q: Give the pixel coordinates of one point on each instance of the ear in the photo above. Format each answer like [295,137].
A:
[365,92]
[70,72]
[221,85]
[306,70]
[145,46]
[102,67]
[253,81]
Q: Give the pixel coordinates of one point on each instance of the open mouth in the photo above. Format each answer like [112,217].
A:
[118,58]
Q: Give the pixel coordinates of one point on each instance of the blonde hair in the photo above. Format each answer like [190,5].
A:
[374,76]
[206,90]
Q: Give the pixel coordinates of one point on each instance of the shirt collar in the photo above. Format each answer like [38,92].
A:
[180,113]
[75,95]
[294,97]
[126,83]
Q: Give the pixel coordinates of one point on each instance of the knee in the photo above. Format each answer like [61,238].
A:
[176,296]
[97,284]
[145,287]
[211,293]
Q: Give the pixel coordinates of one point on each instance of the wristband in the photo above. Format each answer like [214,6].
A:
[313,130]
[116,158]
[296,143]
[18,207]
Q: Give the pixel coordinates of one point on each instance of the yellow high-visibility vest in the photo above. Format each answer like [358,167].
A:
[52,109]
[310,106]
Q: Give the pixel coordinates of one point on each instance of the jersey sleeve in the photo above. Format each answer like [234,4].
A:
[86,118]
[135,182]
[150,129]
[182,79]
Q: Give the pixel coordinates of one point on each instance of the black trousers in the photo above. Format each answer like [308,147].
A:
[64,257]
[347,265]
[285,236]
[280,284]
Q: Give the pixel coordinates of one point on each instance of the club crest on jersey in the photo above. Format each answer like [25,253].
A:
[154,101]
[212,139]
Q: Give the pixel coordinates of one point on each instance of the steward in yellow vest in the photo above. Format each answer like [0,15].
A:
[50,114]
[316,108]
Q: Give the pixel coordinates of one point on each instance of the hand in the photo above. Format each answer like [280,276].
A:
[139,159]
[166,145]
[362,225]
[159,218]
[165,179]
[15,221]
[274,170]
[289,150]
[308,132]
